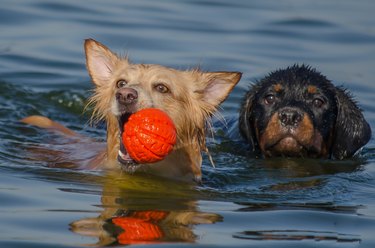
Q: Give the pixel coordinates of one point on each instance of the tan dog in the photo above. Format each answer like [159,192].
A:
[122,88]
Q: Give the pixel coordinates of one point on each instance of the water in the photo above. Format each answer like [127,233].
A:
[244,202]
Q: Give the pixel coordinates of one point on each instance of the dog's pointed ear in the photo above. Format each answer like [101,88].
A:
[100,61]
[218,85]
[245,122]
[351,130]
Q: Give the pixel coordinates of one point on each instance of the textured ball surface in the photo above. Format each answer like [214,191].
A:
[149,135]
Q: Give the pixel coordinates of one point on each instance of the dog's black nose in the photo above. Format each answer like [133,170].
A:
[290,117]
[126,96]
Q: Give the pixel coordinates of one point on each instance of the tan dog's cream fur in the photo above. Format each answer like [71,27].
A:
[188,97]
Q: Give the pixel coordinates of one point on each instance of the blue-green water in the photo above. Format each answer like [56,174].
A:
[244,202]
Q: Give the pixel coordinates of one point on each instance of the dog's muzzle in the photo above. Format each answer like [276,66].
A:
[123,157]
[126,99]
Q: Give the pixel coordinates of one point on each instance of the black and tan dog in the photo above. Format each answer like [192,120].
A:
[297,112]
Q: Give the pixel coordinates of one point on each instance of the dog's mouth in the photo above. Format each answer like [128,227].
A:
[123,157]
[287,146]
[291,146]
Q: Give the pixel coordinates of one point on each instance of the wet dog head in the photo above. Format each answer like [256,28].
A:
[299,112]
[188,97]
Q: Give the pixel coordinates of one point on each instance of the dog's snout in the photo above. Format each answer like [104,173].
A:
[126,96]
[290,117]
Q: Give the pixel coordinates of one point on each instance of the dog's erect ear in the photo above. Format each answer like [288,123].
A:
[100,61]
[245,123]
[351,130]
[218,85]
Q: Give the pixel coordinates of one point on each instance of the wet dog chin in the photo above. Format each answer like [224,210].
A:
[126,162]
[287,146]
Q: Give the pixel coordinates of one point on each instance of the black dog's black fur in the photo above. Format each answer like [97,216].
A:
[297,94]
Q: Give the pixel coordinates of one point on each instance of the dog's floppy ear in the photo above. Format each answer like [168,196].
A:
[351,130]
[217,86]
[100,61]
[245,126]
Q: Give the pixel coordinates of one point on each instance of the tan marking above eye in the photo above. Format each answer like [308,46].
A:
[311,89]
[278,88]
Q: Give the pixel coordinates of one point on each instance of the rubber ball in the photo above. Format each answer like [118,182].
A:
[149,135]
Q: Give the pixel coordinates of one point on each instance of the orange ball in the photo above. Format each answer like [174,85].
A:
[149,135]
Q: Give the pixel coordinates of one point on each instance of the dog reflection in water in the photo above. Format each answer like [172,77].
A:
[158,220]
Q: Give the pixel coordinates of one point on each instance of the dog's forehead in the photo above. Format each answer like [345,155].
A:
[146,70]
[296,87]
[153,72]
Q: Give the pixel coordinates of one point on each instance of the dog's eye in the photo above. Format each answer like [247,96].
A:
[318,103]
[121,83]
[162,88]
[269,99]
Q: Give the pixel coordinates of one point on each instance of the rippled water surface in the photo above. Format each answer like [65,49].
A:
[243,202]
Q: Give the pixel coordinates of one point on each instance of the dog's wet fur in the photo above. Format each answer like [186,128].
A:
[292,112]
[189,97]
[298,112]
